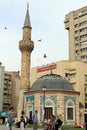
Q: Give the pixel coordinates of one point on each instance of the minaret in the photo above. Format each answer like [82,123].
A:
[26,46]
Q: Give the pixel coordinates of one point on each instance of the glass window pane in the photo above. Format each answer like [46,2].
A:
[69,113]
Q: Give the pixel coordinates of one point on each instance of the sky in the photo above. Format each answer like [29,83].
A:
[47,21]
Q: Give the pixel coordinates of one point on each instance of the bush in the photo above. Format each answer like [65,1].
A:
[70,127]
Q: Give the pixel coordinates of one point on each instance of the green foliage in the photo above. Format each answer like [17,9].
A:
[70,127]
[31,125]
[63,127]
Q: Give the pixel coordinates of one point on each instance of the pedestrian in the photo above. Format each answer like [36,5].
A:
[3,115]
[52,122]
[35,120]
[58,122]
[10,118]
[26,120]
[22,120]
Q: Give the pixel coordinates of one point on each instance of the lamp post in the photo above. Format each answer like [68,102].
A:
[44,89]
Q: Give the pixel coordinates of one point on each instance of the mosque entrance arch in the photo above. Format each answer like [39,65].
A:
[30,113]
[48,112]
[50,107]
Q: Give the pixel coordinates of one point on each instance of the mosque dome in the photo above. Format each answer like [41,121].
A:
[52,82]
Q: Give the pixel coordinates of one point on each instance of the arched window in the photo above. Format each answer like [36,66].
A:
[48,109]
[70,114]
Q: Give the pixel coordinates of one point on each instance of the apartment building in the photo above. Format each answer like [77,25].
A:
[7,92]
[1,86]
[74,71]
[76,24]
[9,89]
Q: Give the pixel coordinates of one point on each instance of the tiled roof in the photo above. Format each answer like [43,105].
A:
[52,82]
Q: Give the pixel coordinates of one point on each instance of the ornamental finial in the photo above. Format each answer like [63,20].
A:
[27,5]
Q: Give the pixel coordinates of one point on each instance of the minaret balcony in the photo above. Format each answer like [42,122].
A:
[26,45]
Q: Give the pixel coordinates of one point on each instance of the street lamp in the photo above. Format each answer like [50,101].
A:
[44,89]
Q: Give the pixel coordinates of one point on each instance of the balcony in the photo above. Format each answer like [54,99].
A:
[7,101]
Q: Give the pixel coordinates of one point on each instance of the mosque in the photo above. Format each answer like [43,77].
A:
[52,94]
[49,94]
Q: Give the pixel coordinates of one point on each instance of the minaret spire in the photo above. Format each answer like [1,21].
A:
[27,22]
[27,5]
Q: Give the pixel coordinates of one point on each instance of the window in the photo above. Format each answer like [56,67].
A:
[85,77]
[85,42]
[77,52]
[76,31]
[84,49]
[48,112]
[76,44]
[83,56]
[69,113]
[73,84]
[73,75]
[76,25]
[85,95]
[86,105]
[85,85]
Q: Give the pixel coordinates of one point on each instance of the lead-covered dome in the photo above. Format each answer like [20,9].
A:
[52,82]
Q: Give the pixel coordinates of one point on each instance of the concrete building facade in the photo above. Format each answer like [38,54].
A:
[12,88]
[9,89]
[1,86]
[76,24]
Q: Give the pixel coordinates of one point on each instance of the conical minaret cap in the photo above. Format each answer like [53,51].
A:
[27,22]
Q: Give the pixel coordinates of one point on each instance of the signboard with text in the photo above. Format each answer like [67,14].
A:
[46,68]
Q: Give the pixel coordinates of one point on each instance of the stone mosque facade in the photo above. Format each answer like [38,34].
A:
[58,97]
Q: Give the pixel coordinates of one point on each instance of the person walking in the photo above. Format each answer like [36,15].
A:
[58,122]
[52,122]
[3,115]
[35,120]
[22,120]
[10,118]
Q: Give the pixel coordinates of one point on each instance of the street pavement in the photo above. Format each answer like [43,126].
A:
[3,127]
